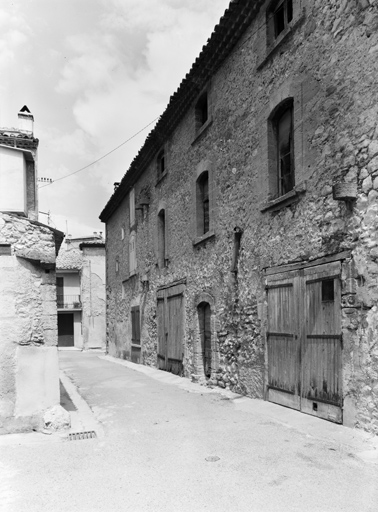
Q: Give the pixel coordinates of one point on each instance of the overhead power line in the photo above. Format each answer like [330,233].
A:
[101,157]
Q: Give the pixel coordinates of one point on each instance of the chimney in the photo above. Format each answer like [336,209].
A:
[25,120]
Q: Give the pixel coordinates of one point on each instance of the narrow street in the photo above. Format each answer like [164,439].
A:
[165,444]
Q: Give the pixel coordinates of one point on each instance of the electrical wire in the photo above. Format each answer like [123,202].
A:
[101,157]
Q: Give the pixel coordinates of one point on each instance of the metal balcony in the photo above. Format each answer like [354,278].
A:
[69,302]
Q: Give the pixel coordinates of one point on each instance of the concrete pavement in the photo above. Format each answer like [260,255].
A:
[167,444]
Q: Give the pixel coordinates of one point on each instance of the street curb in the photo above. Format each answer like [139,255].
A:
[83,419]
[170,378]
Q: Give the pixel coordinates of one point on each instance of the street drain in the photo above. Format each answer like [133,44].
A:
[78,436]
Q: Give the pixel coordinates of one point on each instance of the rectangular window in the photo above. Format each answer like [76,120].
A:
[122,234]
[328,292]
[160,164]
[203,204]
[161,239]
[282,15]
[5,250]
[135,325]
[285,156]
[202,111]
[132,206]
[132,253]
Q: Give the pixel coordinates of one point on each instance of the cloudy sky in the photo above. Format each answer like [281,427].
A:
[93,73]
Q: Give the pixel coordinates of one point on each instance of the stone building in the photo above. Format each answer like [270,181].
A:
[81,293]
[29,372]
[242,246]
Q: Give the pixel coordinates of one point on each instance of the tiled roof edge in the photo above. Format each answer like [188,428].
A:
[224,37]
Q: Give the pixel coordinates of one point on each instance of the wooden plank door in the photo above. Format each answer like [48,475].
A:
[175,334]
[170,320]
[322,343]
[162,335]
[283,340]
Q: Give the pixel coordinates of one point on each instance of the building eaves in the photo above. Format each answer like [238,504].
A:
[226,34]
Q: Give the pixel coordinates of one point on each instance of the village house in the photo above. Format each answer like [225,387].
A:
[241,244]
[80,286]
[29,371]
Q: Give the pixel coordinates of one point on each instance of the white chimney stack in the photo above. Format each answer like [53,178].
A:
[25,121]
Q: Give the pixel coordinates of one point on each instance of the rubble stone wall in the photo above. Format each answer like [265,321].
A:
[328,65]
[29,381]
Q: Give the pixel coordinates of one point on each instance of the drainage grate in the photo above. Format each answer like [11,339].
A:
[78,436]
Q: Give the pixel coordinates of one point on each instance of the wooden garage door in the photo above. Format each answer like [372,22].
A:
[304,340]
[170,319]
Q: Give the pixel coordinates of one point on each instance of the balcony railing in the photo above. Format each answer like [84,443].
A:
[69,301]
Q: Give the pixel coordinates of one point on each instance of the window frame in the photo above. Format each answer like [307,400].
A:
[201,124]
[162,241]
[276,188]
[161,157]
[132,207]
[203,204]
[132,254]
[205,166]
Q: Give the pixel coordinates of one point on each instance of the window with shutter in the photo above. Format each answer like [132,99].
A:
[203,210]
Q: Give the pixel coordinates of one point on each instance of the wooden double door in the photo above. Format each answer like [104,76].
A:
[170,321]
[304,340]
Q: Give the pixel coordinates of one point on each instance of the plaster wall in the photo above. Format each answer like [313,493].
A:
[71,282]
[78,330]
[12,180]
[331,80]
[93,297]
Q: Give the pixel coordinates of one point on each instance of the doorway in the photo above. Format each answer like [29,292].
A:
[170,320]
[65,330]
[304,344]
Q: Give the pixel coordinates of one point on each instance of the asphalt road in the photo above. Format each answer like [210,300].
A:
[166,444]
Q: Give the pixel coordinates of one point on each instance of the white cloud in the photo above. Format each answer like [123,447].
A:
[94,73]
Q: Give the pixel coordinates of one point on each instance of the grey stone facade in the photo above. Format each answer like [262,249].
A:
[325,64]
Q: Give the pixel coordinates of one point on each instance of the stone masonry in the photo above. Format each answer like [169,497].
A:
[29,383]
[327,64]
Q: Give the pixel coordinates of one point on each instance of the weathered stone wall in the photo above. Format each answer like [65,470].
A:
[327,64]
[29,382]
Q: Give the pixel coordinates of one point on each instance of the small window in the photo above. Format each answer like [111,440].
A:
[132,206]
[122,234]
[117,265]
[281,15]
[328,291]
[203,204]
[161,164]
[5,250]
[162,257]
[202,111]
